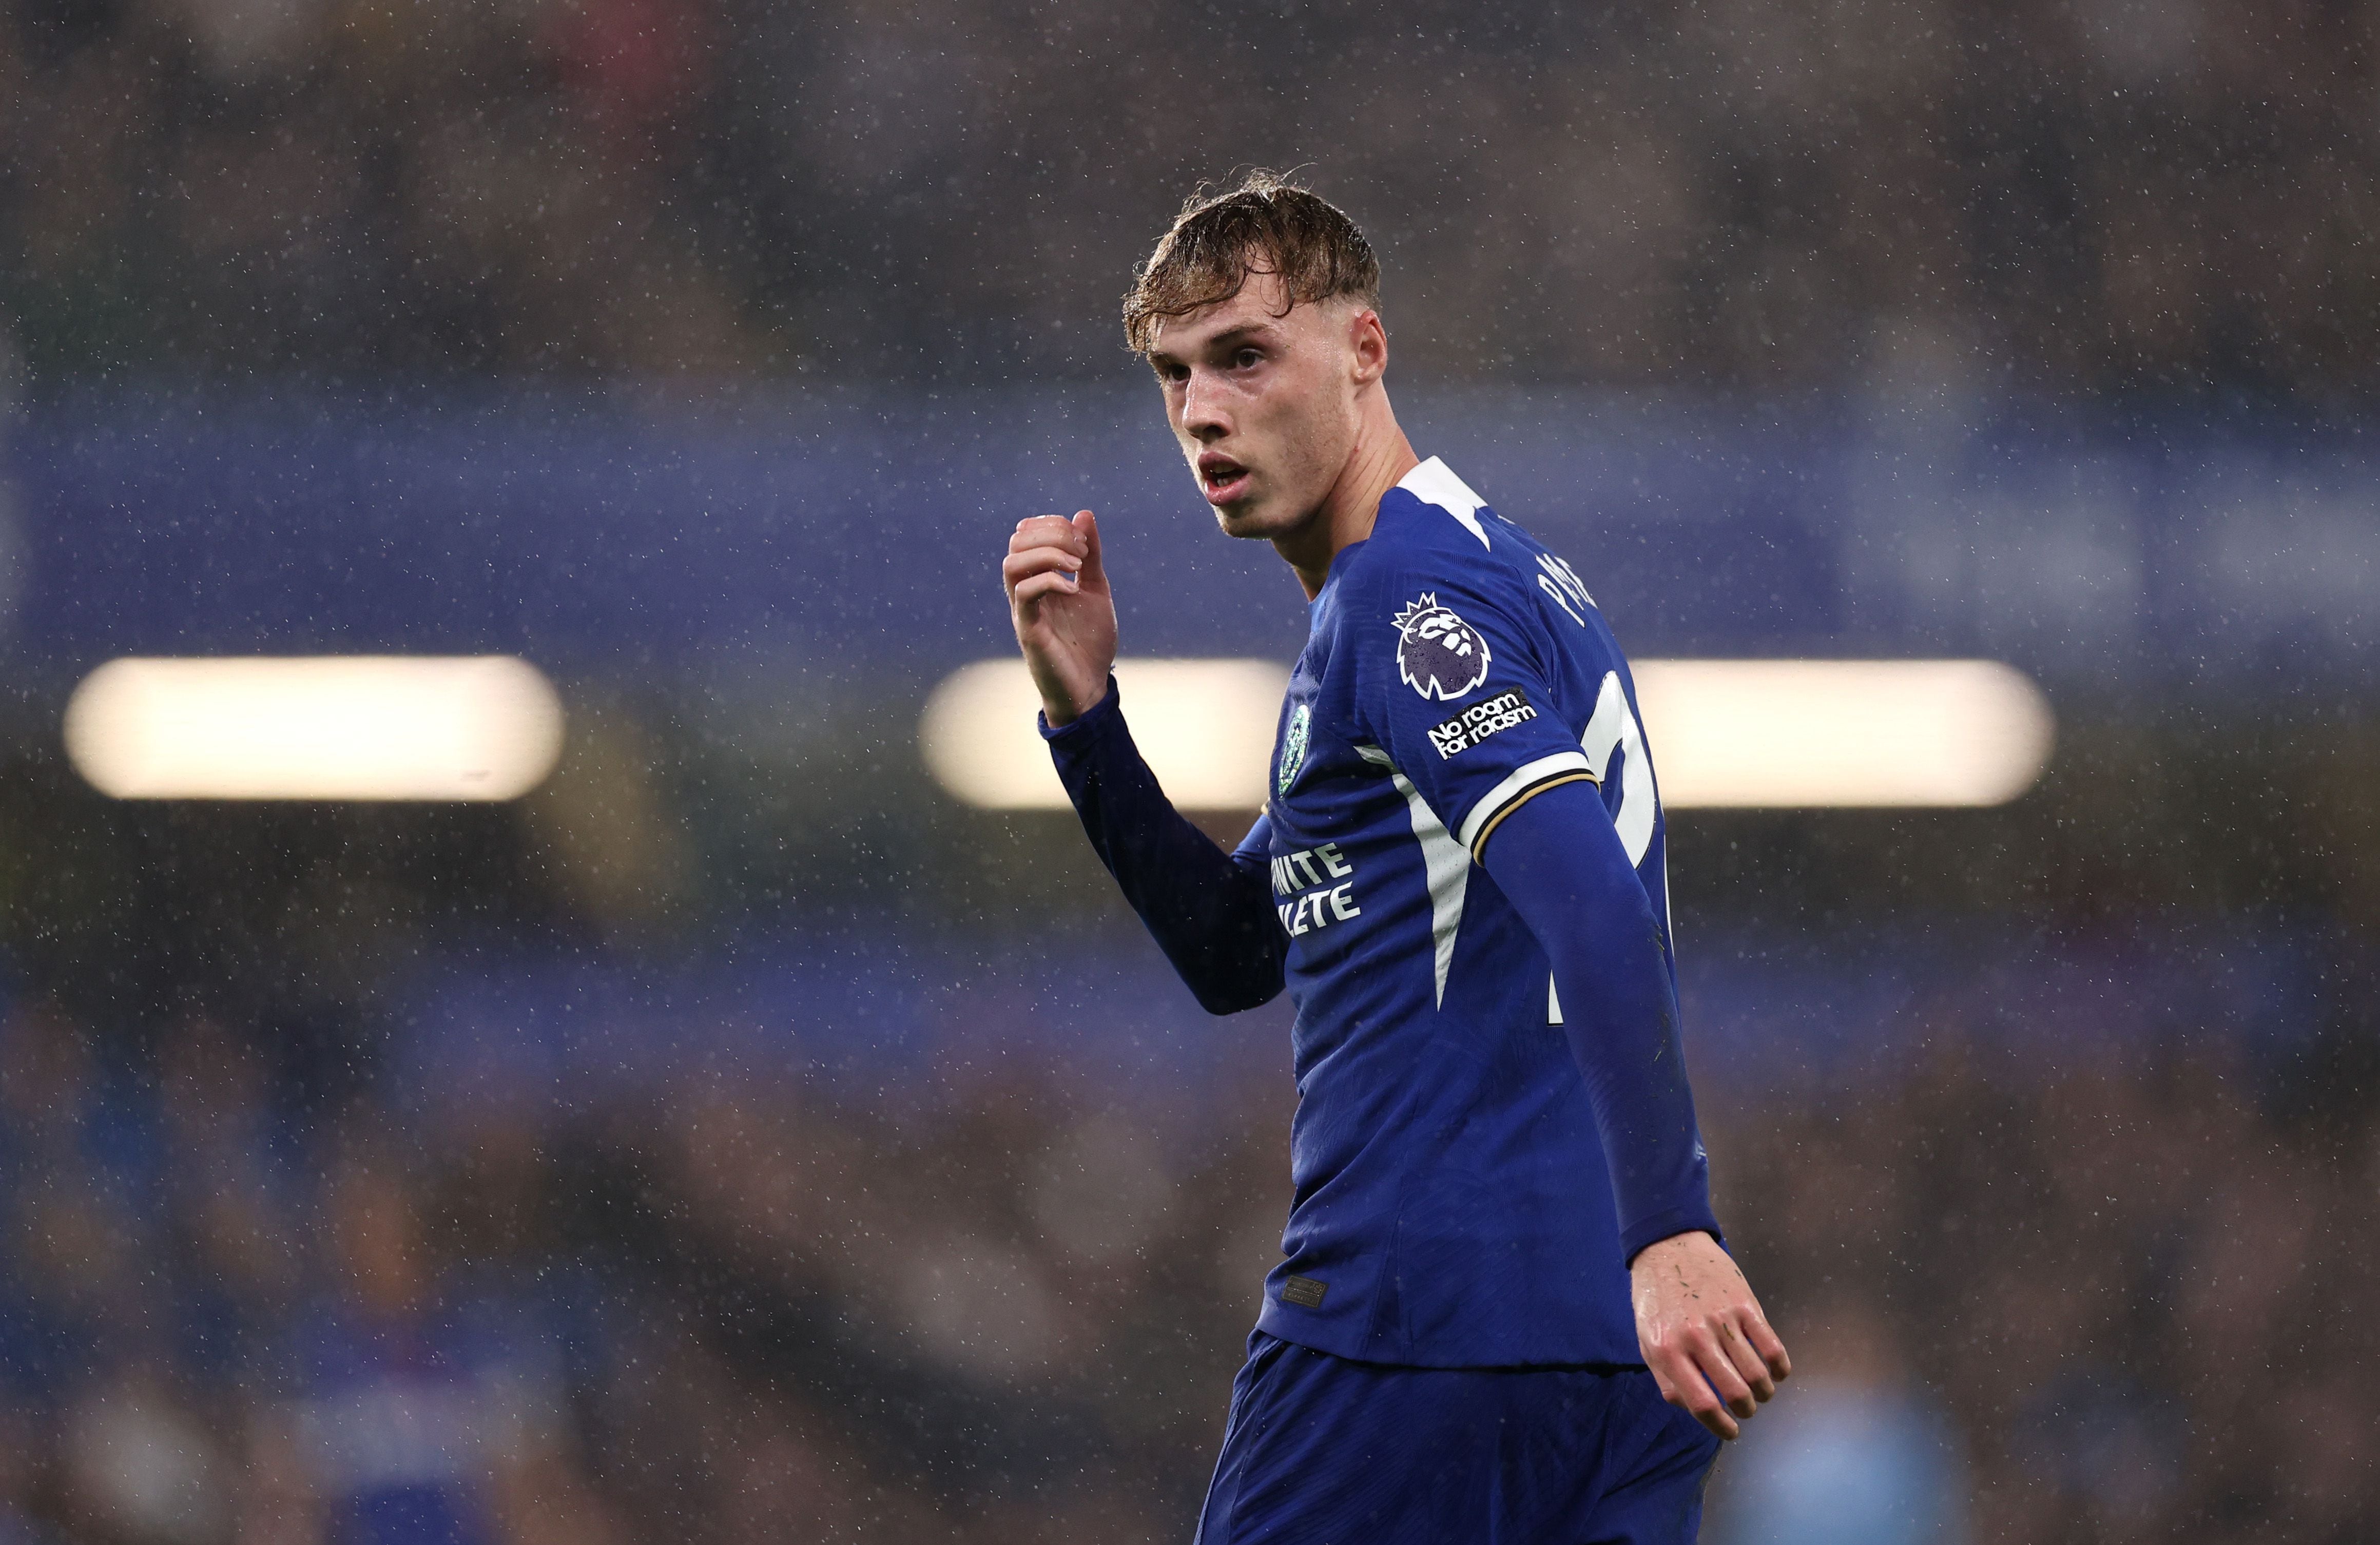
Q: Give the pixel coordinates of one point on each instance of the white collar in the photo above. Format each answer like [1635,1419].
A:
[1434,483]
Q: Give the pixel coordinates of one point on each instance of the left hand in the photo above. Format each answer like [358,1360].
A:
[1702,1331]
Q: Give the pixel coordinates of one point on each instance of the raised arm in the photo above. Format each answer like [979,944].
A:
[1557,858]
[1209,911]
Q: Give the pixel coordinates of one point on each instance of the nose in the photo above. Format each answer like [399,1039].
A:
[1203,417]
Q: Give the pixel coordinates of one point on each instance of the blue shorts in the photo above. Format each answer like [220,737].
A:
[1322,1450]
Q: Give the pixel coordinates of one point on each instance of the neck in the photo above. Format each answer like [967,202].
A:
[1381,457]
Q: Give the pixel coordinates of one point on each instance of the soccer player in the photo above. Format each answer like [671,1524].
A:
[1500,1258]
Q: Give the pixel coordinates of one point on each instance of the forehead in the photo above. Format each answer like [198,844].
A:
[1257,306]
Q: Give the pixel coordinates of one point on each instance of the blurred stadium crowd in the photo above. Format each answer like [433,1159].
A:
[2092,1287]
[2097,1305]
[2069,195]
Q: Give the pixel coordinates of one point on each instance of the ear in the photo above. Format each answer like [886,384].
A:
[1367,346]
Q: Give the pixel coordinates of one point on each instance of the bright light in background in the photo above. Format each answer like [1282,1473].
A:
[1725,733]
[1206,728]
[338,727]
[1805,733]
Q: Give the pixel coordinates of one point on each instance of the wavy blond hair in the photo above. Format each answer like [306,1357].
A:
[1262,224]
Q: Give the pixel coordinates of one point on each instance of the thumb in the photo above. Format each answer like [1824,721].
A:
[1088,524]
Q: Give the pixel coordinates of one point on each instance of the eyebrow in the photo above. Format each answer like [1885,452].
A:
[1229,336]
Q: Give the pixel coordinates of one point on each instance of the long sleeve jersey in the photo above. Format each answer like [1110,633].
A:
[1460,879]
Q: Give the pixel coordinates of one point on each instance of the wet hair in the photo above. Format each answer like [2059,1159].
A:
[1263,224]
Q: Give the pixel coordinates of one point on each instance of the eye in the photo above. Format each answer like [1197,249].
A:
[1247,359]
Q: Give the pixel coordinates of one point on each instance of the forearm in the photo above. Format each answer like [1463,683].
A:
[1213,918]
[1560,864]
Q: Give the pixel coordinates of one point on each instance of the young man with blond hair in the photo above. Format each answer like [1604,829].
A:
[1500,1260]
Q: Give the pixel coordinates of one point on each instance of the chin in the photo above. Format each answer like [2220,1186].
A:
[1236,521]
[1246,523]
[1255,519]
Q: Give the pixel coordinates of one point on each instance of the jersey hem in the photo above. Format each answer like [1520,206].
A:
[1272,1323]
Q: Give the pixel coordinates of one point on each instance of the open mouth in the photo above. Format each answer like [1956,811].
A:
[1222,479]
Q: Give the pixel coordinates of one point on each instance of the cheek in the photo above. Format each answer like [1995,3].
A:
[1315,432]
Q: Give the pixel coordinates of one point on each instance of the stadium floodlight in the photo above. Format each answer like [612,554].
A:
[1725,733]
[1205,726]
[334,727]
[1801,734]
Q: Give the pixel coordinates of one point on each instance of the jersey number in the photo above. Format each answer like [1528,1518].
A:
[1614,728]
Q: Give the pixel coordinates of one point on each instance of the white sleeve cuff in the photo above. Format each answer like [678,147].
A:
[1524,781]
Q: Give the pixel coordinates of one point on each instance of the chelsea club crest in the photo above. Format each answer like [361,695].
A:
[1293,747]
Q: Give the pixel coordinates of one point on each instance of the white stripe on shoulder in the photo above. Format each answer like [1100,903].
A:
[1434,483]
[1523,777]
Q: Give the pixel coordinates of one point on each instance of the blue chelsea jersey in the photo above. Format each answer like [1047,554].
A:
[1452,1204]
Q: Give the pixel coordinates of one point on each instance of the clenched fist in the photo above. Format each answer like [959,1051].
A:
[1065,617]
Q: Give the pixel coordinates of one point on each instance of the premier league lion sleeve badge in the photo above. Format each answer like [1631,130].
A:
[1438,654]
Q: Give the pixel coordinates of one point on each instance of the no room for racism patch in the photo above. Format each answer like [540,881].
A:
[1490,716]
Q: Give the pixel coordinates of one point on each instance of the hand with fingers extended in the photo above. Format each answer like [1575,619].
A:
[1065,617]
[1702,1331]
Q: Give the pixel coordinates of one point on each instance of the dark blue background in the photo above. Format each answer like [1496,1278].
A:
[832,534]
